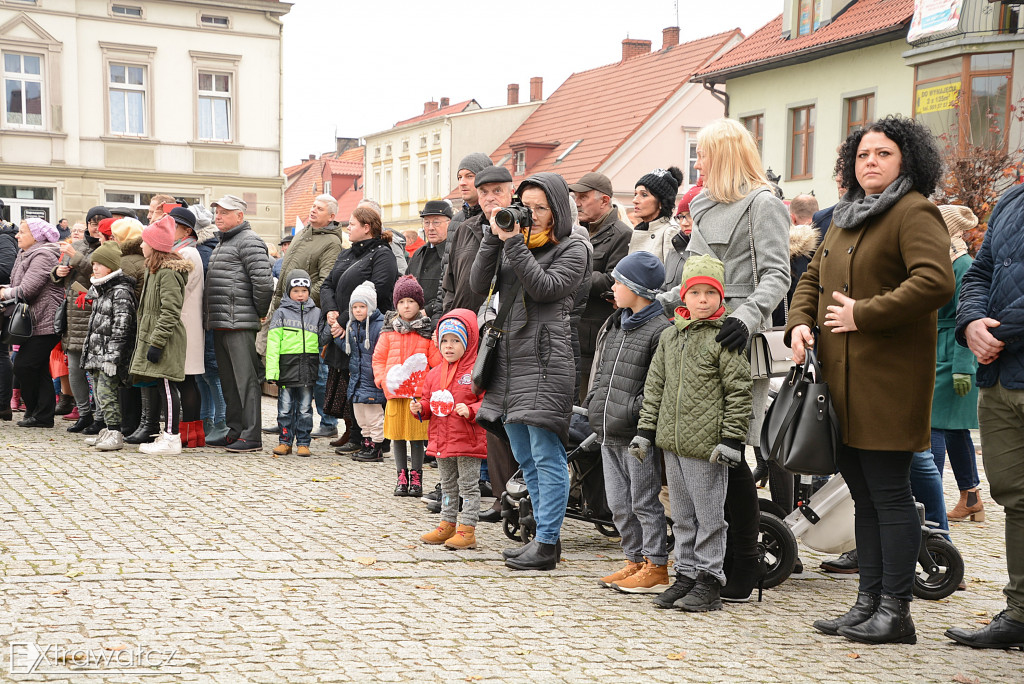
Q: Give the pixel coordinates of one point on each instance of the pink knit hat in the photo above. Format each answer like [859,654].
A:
[160,234]
[408,286]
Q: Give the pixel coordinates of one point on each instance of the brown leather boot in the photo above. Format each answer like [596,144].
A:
[969,506]
[464,538]
[440,534]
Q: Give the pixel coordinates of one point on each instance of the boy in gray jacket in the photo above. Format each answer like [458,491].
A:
[625,346]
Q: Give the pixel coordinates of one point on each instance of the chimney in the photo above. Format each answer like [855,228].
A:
[513,93]
[536,89]
[346,144]
[429,107]
[312,157]
[633,47]
[445,101]
[669,37]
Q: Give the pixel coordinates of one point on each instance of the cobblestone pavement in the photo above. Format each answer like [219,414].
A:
[306,570]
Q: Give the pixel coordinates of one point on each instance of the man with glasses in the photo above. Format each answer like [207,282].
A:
[426,262]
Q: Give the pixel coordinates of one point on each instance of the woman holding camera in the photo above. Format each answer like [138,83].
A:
[875,285]
[30,282]
[529,395]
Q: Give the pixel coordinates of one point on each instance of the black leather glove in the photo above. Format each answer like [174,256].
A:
[733,335]
[153,354]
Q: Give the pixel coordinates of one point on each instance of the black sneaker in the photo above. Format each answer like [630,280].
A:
[432,496]
[682,586]
[349,448]
[244,446]
[705,595]
[94,427]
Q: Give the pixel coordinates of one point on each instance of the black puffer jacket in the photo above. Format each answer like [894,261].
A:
[365,260]
[622,357]
[111,340]
[425,264]
[535,372]
[8,250]
[239,285]
[76,282]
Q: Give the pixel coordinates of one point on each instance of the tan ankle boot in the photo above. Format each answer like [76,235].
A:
[969,506]
[650,579]
[439,535]
[464,538]
[628,569]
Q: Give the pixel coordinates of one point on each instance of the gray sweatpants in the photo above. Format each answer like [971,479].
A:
[460,475]
[696,490]
[632,488]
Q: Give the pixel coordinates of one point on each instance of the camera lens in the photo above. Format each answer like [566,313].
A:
[505,220]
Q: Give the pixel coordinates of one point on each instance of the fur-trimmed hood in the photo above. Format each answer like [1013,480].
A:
[176,263]
[803,239]
[133,246]
[204,234]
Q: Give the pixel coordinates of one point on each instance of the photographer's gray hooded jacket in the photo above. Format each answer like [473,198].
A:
[535,372]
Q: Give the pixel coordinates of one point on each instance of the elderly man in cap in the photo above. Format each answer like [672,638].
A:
[239,287]
[609,236]
[314,249]
[425,264]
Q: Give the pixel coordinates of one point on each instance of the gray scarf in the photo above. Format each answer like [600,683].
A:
[854,208]
[421,325]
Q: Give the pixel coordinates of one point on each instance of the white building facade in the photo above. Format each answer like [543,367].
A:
[110,102]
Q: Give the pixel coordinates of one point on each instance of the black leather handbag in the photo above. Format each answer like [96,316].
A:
[490,336]
[801,431]
[17,326]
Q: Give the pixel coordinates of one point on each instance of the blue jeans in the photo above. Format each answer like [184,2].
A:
[295,415]
[542,457]
[926,484]
[319,393]
[961,456]
[485,474]
[212,397]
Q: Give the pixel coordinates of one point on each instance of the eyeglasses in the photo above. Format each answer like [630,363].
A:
[299,282]
[434,223]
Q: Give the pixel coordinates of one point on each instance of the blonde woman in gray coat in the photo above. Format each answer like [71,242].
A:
[738,219]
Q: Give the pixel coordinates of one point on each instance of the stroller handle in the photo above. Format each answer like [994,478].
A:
[580,411]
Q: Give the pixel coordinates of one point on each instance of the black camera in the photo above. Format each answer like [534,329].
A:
[507,218]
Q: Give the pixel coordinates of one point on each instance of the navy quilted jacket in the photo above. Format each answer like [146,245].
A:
[994,287]
[361,388]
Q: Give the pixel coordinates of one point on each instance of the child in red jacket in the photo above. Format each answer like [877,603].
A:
[458,443]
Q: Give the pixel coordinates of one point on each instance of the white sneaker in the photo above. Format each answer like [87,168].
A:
[95,439]
[111,440]
[165,444]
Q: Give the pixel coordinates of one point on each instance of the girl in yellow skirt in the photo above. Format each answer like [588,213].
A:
[404,354]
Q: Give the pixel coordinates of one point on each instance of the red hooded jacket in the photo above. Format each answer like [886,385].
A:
[453,435]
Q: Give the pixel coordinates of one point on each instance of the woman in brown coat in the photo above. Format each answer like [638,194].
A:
[875,283]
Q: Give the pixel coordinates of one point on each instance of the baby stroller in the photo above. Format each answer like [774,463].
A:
[587,500]
[824,521]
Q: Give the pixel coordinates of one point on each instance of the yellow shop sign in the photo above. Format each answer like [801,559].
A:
[937,98]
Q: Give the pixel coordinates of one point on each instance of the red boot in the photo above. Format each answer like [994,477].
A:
[198,435]
[185,431]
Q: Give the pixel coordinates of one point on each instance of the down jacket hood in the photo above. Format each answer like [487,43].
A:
[468,319]
[802,240]
[557,191]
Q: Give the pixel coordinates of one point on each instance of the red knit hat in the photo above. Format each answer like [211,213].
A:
[105,226]
[684,203]
[160,234]
[408,286]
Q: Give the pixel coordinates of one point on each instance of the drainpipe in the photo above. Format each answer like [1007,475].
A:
[719,95]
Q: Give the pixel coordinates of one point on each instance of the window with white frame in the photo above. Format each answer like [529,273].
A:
[435,173]
[214,106]
[127,92]
[386,199]
[404,190]
[131,11]
[691,162]
[376,184]
[423,180]
[520,162]
[23,90]
[214,21]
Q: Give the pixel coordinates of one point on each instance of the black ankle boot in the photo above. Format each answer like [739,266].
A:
[864,608]
[680,588]
[891,624]
[745,573]
[94,427]
[518,551]
[416,483]
[402,488]
[536,556]
[705,595]
[84,421]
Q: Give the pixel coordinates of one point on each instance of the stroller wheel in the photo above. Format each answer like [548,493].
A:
[607,529]
[510,528]
[509,518]
[780,549]
[950,564]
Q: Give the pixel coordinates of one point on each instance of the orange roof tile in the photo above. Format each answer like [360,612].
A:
[443,111]
[863,20]
[348,202]
[603,107]
[339,167]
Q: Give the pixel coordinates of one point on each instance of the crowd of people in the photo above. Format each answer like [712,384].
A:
[467,346]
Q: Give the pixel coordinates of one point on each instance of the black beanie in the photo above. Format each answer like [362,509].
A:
[663,184]
[98,212]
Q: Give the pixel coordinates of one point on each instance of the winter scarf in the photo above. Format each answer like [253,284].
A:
[631,321]
[184,242]
[421,325]
[854,208]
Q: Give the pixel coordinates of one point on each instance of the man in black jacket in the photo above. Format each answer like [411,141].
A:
[609,236]
[426,263]
[237,294]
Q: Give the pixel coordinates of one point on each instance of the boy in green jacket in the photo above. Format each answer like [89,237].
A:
[293,361]
[696,408]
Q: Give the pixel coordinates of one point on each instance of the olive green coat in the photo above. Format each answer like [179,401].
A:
[896,266]
[697,393]
[133,263]
[160,324]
